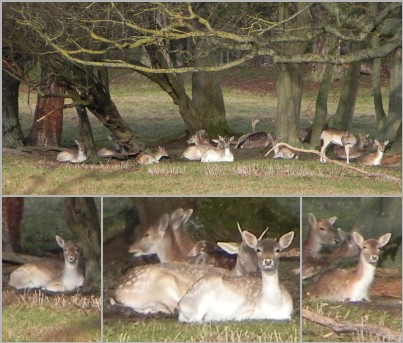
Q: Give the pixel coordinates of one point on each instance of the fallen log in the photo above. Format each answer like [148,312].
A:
[382,332]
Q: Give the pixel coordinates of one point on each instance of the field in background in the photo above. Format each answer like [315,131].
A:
[155,120]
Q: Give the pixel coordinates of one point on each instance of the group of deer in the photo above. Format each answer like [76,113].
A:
[202,292]
[339,284]
[116,149]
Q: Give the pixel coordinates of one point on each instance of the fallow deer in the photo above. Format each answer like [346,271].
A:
[374,159]
[153,158]
[363,146]
[72,155]
[52,275]
[352,285]
[283,152]
[217,154]
[115,149]
[254,139]
[339,137]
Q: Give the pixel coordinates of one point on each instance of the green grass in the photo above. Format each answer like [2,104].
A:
[169,330]
[155,120]
[36,318]
[260,177]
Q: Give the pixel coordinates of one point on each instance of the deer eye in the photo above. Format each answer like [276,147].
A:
[258,249]
[365,247]
[147,235]
[277,250]
[322,229]
[65,249]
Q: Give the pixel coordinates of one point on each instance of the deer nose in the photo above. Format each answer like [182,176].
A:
[268,262]
[70,258]
[374,258]
[336,241]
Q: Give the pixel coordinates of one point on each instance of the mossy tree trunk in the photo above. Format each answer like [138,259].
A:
[12,209]
[12,133]
[82,217]
[85,130]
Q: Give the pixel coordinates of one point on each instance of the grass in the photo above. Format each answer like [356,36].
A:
[261,177]
[35,317]
[155,120]
[169,330]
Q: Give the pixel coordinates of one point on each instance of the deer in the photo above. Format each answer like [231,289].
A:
[283,152]
[52,275]
[195,152]
[116,148]
[305,133]
[254,139]
[217,297]
[217,154]
[159,287]
[154,157]
[320,233]
[72,155]
[339,137]
[364,145]
[374,159]
[199,138]
[352,285]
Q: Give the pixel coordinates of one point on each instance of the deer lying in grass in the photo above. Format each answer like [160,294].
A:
[116,148]
[352,285]
[364,145]
[217,154]
[202,144]
[153,158]
[374,159]
[339,137]
[72,155]
[159,287]
[320,233]
[283,152]
[254,139]
[52,275]
[218,297]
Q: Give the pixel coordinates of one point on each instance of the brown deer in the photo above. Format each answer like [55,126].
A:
[352,285]
[52,275]
[254,139]
[374,159]
[153,158]
[115,149]
[339,137]
[73,156]
[364,145]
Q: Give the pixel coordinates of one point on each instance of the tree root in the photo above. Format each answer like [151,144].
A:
[341,164]
[343,327]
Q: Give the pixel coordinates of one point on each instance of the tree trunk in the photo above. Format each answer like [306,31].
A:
[322,97]
[48,119]
[12,133]
[346,105]
[85,130]
[289,94]
[395,98]
[13,209]
[82,217]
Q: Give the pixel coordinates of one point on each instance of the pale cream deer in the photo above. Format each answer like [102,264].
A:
[374,159]
[198,138]
[218,297]
[154,157]
[339,137]
[52,275]
[352,285]
[158,288]
[73,156]
[283,152]
[217,154]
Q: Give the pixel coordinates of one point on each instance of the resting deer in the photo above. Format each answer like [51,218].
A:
[199,138]
[195,152]
[339,137]
[153,158]
[116,148]
[374,159]
[72,155]
[219,155]
[159,287]
[254,139]
[352,285]
[52,275]
[283,152]
[218,297]
[364,145]
[320,233]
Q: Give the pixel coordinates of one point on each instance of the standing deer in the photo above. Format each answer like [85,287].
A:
[52,275]
[217,154]
[364,145]
[218,297]
[72,155]
[352,285]
[339,137]
[153,158]
[254,139]
[374,159]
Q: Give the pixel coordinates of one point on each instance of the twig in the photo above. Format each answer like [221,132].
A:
[341,164]
[56,109]
[341,326]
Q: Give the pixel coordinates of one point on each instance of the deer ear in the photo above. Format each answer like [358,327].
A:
[285,240]
[60,241]
[386,143]
[229,247]
[231,139]
[187,214]
[376,142]
[383,240]
[77,142]
[358,239]
[312,219]
[250,239]
[163,223]
[342,234]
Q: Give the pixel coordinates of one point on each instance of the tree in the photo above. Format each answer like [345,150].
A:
[12,209]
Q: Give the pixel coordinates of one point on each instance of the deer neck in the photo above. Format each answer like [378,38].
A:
[72,276]
[271,289]
[365,272]
[81,155]
[378,157]
[167,248]
[183,241]
[312,243]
